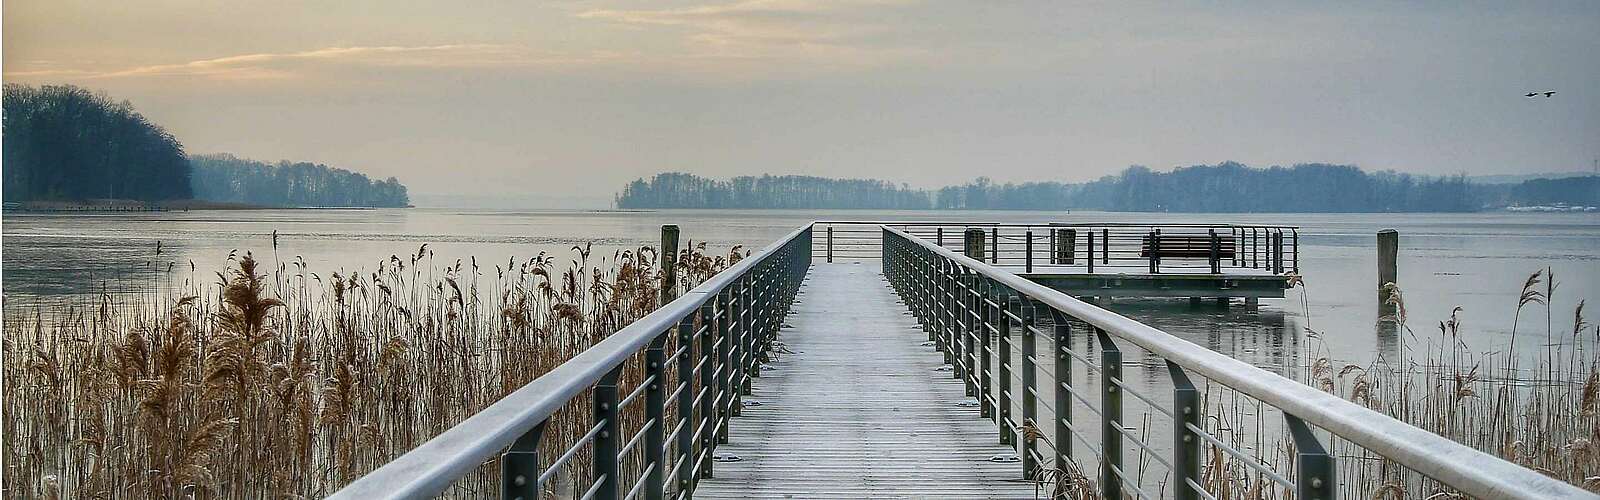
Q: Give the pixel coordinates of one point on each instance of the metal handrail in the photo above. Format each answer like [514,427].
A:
[430,468]
[1075,247]
[1454,464]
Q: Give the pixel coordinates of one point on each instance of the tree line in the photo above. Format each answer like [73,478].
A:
[1225,187]
[66,143]
[680,190]
[224,177]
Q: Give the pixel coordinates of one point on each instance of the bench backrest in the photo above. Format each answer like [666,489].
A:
[1187,246]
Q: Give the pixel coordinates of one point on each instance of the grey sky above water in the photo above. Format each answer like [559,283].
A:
[574,98]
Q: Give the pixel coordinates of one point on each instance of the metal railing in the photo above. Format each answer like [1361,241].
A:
[969,310]
[721,330]
[1088,248]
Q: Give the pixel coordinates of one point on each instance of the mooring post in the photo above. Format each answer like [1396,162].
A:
[669,263]
[1388,267]
[1071,237]
[973,244]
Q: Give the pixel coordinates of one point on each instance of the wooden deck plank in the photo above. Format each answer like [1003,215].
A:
[858,409]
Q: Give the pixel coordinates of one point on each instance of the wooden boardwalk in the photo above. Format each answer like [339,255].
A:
[854,406]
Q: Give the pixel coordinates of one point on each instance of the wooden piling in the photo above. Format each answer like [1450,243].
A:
[973,244]
[1388,267]
[669,262]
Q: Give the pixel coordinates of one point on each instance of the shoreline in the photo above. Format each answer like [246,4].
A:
[119,206]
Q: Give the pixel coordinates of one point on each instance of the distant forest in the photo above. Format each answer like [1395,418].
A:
[1225,187]
[680,190]
[223,177]
[66,143]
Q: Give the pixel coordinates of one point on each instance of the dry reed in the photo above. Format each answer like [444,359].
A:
[290,383]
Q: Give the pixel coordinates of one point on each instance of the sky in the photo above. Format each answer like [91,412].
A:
[567,100]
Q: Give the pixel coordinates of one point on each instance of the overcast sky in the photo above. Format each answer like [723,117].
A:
[574,98]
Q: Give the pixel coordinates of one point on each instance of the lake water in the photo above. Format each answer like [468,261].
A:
[1475,261]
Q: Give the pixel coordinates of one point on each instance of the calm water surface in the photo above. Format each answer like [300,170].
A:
[1475,261]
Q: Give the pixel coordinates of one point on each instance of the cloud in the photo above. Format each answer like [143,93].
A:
[284,65]
[840,31]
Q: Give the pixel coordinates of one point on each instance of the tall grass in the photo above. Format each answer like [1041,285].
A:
[291,382]
[1540,411]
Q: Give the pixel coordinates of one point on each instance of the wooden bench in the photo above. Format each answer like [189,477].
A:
[1186,246]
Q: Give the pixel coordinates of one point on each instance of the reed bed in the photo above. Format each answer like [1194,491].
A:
[1540,410]
[290,382]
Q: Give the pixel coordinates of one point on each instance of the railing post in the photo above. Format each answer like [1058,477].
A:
[994,245]
[685,437]
[1315,479]
[991,315]
[606,466]
[958,318]
[1255,249]
[830,244]
[1055,251]
[939,236]
[1027,249]
[710,324]
[1185,444]
[974,327]
[1111,416]
[655,403]
[1277,251]
[748,287]
[947,318]
[519,467]
[1155,251]
[1216,252]
[725,366]
[1294,235]
[1105,249]
[1063,380]
[1002,394]
[1090,254]
[1030,384]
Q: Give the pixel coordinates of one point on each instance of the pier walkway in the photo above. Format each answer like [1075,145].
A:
[907,369]
[855,405]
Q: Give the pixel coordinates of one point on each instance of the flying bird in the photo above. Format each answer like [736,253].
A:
[1546,93]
